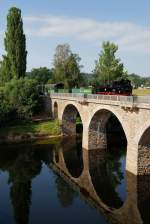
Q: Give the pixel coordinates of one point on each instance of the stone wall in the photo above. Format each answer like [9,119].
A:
[97,130]
[134,122]
[47,105]
[144,160]
[69,120]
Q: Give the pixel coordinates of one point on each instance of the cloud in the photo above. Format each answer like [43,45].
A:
[129,36]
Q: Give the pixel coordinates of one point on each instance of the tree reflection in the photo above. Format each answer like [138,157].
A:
[23,163]
[65,193]
[24,169]
[106,173]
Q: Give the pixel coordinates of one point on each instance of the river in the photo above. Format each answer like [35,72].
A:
[58,182]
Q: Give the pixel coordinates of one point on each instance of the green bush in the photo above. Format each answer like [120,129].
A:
[6,109]
[19,100]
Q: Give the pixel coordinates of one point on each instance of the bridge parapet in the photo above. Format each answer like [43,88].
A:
[123,101]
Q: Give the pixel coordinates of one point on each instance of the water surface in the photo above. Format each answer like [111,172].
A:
[59,182]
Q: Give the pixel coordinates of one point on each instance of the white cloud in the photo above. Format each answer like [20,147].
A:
[129,36]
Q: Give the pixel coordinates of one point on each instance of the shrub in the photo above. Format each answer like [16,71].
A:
[19,100]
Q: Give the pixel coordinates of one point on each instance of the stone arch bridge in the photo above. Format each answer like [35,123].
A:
[133,113]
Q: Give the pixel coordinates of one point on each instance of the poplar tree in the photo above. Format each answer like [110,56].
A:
[15,43]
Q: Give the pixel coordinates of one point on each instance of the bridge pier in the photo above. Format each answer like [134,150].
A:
[132,157]
[95,111]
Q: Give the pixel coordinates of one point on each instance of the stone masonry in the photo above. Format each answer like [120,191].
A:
[94,113]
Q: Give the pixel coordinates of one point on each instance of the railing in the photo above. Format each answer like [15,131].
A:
[111,97]
[141,99]
[72,95]
[128,99]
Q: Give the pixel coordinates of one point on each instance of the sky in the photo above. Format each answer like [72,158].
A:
[84,24]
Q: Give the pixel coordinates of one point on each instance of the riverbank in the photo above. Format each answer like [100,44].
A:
[30,131]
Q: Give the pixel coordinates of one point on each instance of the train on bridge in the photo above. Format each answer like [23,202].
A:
[121,87]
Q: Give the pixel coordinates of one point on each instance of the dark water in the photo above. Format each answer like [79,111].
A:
[58,182]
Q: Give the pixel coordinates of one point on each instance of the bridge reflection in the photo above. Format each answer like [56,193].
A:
[102,182]
[99,178]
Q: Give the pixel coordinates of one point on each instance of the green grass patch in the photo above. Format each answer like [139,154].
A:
[45,127]
[141,92]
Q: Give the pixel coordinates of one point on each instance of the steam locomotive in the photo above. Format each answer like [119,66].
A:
[121,87]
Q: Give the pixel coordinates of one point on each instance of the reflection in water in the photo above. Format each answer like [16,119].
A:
[143,188]
[22,167]
[25,167]
[99,182]
[64,192]
[72,152]
[107,174]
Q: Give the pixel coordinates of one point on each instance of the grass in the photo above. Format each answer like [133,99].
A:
[141,92]
[45,127]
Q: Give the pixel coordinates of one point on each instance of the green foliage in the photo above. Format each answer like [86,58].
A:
[108,67]
[45,127]
[62,53]
[42,75]
[138,80]
[15,45]
[72,71]
[5,74]
[66,67]
[6,109]
[22,94]
[19,100]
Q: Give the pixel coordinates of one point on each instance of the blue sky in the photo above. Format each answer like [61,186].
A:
[84,24]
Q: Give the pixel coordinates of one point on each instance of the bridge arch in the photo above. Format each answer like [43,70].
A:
[69,117]
[97,136]
[142,130]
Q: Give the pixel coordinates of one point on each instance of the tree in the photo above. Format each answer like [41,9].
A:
[6,108]
[138,80]
[42,75]
[66,67]
[15,44]
[62,53]
[5,74]
[72,71]
[108,67]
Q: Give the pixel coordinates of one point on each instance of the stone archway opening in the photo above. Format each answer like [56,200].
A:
[71,121]
[79,125]
[106,131]
[144,153]
[72,146]
[107,158]
[55,110]
[115,135]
